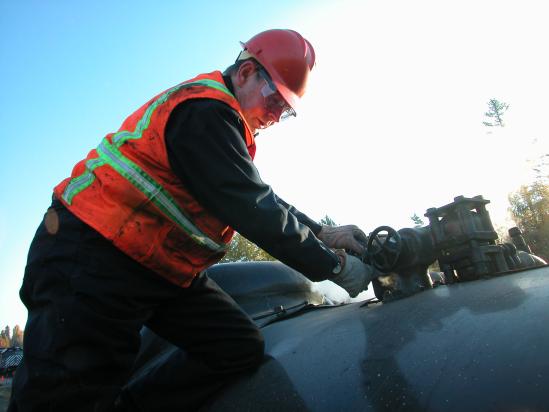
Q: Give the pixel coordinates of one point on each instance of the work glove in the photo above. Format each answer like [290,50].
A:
[348,237]
[354,275]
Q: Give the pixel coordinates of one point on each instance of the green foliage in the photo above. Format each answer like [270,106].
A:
[529,207]
[242,250]
[418,222]
[503,234]
[328,221]
[495,112]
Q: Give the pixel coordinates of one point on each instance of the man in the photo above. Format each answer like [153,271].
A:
[130,235]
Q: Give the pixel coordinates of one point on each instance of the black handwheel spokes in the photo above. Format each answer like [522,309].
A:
[384,247]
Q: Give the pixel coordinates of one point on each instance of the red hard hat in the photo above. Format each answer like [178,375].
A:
[287,57]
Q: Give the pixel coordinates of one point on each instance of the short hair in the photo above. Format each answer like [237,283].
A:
[233,68]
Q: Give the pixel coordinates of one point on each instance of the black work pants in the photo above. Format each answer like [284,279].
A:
[87,303]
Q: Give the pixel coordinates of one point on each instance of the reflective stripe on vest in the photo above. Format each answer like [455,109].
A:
[141,180]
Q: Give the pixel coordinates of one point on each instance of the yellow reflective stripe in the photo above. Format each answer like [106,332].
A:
[143,123]
[83,181]
[109,154]
[155,193]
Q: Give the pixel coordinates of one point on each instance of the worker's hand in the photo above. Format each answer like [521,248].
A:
[344,237]
[354,276]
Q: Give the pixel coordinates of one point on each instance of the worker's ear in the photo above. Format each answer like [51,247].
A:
[245,72]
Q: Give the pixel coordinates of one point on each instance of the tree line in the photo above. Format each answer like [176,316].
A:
[529,205]
[242,250]
[9,338]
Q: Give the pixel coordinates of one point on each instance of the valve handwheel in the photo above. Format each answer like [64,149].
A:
[384,249]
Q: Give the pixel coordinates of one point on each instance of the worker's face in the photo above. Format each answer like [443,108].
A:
[261,104]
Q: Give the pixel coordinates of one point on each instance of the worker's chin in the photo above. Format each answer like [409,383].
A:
[261,125]
[256,124]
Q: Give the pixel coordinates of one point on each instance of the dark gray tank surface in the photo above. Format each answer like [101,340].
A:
[261,288]
[475,346]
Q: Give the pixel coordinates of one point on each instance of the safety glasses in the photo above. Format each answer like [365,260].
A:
[274,102]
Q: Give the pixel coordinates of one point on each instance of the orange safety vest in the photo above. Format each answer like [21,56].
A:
[125,189]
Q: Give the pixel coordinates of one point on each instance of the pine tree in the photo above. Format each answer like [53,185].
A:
[17,338]
[242,250]
[529,207]
[328,221]
[495,112]
[4,338]
[418,222]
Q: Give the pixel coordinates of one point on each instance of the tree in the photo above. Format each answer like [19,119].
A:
[4,343]
[328,221]
[17,338]
[5,339]
[14,338]
[495,112]
[529,207]
[242,250]
[7,334]
[503,234]
[418,222]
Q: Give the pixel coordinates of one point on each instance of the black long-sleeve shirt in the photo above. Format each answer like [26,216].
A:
[207,151]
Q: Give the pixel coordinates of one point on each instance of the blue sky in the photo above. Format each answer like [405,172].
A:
[72,71]
[391,125]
